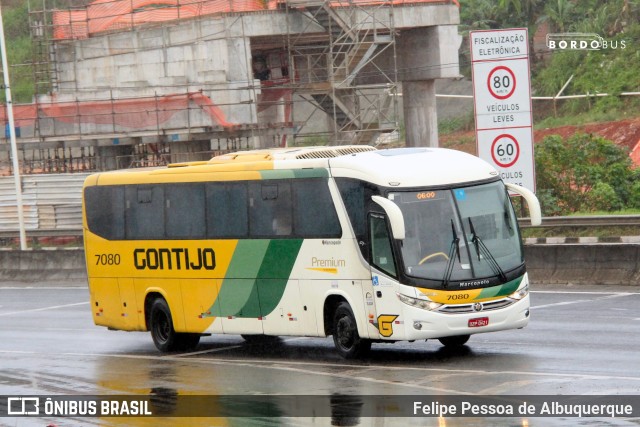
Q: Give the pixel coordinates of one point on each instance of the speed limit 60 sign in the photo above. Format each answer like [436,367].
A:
[504,149]
[502,101]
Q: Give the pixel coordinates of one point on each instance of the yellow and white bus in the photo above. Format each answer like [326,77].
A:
[362,244]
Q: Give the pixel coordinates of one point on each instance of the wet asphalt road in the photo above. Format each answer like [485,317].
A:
[581,341]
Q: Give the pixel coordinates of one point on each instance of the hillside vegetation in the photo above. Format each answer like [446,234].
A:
[611,71]
[576,172]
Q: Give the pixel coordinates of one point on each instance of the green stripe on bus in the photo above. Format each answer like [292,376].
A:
[247,258]
[257,277]
[275,272]
[238,287]
[502,290]
[294,173]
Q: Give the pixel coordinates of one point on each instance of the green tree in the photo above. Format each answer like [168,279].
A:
[15,17]
[584,173]
[558,13]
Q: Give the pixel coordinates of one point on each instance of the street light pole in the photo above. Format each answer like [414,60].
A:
[12,137]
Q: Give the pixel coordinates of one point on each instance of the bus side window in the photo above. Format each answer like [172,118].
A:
[104,210]
[381,253]
[185,210]
[144,213]
[314,214]
[227,213]
[270,209]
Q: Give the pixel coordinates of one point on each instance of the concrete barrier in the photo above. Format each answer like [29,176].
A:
[42,265]
[606,264]
[602,264]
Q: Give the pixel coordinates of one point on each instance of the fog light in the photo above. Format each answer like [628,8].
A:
[417,325]
[526,313]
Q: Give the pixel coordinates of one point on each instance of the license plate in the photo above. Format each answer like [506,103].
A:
[478,321]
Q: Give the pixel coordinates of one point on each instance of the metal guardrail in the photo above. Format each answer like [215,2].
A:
[584,221]
[552,221]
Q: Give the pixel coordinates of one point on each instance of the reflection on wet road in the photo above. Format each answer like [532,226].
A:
[577,343]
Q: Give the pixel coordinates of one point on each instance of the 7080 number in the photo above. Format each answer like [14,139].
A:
[107,259]
[458,296]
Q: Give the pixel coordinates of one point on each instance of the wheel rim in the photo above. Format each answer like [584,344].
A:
[345,332]
[162,327]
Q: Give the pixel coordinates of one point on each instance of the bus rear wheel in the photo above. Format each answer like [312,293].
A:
[456,341]
[345,334]
[164,336]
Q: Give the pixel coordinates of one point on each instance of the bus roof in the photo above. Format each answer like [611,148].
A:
[413,167]
[398,167]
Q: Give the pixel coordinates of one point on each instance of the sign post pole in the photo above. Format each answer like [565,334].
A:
[12,137]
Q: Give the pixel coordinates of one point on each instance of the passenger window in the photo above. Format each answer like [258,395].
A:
[381,252]
[144,212]
[270,209]
[314,214]
[104,207]
[227,213]
[185,211]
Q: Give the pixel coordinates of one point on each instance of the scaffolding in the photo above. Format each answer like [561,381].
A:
[327,80]
[333,73]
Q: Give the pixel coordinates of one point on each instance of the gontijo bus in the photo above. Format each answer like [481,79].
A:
[362,244]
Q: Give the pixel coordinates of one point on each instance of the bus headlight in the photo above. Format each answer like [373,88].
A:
[425,305]
[520,293]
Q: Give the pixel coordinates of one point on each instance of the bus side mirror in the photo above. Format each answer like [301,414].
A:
[396,219]
[532,202]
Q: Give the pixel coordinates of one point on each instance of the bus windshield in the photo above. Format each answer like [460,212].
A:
[460,233]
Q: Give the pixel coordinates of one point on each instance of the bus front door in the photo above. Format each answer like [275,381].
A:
[383,269]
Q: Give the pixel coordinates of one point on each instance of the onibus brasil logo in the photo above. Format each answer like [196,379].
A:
[582,41]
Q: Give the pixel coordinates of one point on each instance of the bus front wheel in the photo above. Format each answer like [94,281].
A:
[456,341]
[345,333]
[164,336]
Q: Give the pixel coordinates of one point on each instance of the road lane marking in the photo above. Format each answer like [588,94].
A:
[307,368]
[556,304]
[231,347]
[211,350]
[277,364]
[52,307]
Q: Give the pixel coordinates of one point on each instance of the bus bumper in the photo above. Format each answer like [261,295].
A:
[423,324]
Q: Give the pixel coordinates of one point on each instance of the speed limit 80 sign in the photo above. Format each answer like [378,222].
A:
[501,82]
[502,101]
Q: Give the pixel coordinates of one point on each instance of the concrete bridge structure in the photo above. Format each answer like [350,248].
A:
[177,87]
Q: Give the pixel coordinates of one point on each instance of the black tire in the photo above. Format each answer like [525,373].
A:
[456,341]
[164,336]
[345,334]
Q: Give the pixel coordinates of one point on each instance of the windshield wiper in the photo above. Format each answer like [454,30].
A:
[454,249]
[481,247]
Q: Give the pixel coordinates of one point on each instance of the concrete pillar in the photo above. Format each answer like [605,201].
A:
[113,157]
[420,114]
